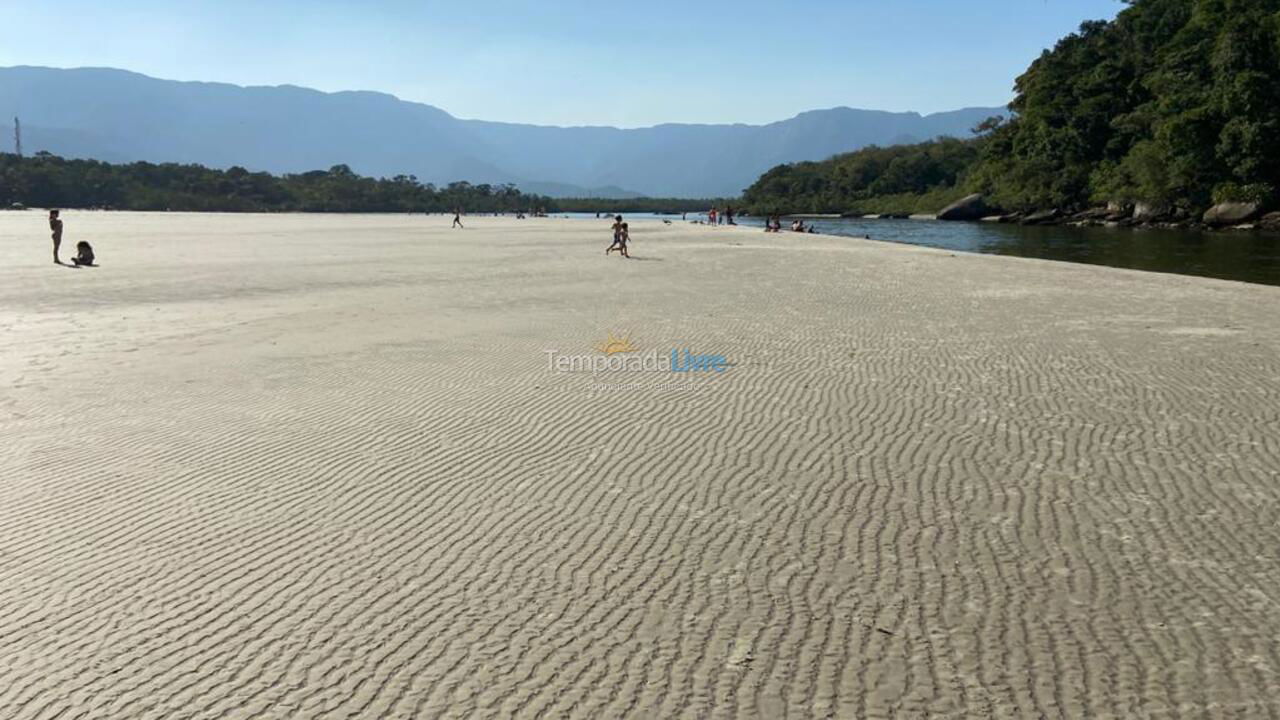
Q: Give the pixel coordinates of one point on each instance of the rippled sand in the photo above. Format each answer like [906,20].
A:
[308,466]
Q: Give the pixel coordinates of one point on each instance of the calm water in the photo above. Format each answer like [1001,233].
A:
[1244,256]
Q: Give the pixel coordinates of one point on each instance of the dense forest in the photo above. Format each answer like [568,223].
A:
[1172,104]
[898,179]
[49,181]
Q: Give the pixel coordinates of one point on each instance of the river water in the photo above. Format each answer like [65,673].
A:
[1244,256]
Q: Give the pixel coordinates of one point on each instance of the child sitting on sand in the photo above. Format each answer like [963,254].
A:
[84,254]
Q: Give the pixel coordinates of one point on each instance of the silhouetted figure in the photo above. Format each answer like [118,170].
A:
[84,254]
[55,225]
[457,218]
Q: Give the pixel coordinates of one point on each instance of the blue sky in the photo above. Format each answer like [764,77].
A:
[570,62]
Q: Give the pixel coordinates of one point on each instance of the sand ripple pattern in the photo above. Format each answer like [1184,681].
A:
[318,468]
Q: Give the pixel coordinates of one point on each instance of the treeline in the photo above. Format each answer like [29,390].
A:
[673,206]
[46,180]
[899,179]
[1172,104]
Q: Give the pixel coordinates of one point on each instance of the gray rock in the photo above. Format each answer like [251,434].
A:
[1270,221]
[973,207]
[1042,217]
[1119,208]
[1092,214]
[1148,212]
[1231,214]
[924,217]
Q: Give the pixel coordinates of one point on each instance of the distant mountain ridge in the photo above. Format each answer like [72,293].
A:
[120,116]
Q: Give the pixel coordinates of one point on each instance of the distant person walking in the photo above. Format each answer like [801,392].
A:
[55,225]
[728,215]
[457,218]
[711,216]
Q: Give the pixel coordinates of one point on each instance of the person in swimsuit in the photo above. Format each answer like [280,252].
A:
[618,243]
[626,238]
[457,218]
[55,225]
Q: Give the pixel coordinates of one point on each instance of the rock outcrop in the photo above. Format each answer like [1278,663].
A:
[1231,214]
[973,207]
[1043,217]
[1149,212]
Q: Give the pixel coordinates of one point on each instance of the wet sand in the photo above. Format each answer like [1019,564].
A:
[323,466]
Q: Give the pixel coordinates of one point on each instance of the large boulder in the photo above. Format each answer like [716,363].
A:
[1232,213]
[973,207]
[1149,212]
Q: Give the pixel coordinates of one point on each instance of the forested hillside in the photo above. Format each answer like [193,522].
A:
[898,179]
[1172,104]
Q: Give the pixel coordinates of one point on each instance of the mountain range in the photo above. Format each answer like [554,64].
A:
[120,116]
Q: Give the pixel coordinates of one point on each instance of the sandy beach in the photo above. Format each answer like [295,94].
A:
[340,466]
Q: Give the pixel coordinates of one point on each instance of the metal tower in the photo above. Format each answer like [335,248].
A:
[17,137]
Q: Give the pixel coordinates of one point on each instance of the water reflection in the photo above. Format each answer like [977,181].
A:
[1244,256]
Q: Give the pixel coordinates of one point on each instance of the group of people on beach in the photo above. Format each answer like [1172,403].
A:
[716,216]
[621,233]
[84,251]
[773,223]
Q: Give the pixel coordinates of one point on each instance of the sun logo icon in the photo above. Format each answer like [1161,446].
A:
[615,346]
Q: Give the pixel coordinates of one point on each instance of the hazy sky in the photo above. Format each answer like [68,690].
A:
[570,62]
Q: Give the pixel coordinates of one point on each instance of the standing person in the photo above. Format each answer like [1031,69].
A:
[728,215]
[711,216]
[457,218]
[55,225]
